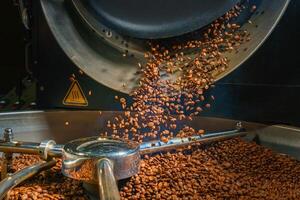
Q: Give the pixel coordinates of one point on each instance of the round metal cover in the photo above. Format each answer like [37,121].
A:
[81,156]
[155,18]
[98,147]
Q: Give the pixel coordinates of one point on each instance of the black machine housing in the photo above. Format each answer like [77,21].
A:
[266,88]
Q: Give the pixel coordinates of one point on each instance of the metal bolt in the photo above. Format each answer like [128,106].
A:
[44,148]
[32,104]
[8,135]
[108,34]
[239,126]
[6,157]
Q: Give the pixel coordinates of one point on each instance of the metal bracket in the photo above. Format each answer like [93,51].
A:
[44,148]
[6,157]
[23,13]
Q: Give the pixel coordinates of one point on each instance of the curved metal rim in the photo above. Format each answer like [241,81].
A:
[153,32]
[222,75]
[71,147]
[95,64]
[110,79]
[101,29]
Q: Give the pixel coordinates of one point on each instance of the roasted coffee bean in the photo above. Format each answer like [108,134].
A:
[232,169]
[50,184]
[172,84]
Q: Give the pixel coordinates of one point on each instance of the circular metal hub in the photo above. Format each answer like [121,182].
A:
[80,157]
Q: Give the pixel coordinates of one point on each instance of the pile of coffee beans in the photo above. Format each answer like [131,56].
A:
[48,185]
[231,169]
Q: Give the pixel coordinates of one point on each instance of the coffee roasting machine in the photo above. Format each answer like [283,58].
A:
[82,53]
[64,40]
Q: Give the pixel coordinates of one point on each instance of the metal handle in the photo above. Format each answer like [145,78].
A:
[44,149]
[108,188]
[12,181]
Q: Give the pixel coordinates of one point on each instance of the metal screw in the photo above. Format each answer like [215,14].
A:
[8,135]
[239,126]
[108,34]
[6,157]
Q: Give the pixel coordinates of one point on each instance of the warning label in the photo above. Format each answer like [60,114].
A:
[75,96]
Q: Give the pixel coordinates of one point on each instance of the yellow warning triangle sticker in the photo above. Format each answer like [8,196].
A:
[75,96]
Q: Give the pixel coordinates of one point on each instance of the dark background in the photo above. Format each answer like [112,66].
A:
[12,47]
[266,88]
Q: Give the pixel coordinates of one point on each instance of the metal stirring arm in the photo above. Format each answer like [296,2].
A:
[108,188]
[12,181]
[45,149]
[157,146]
[107,183]
[49,148]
